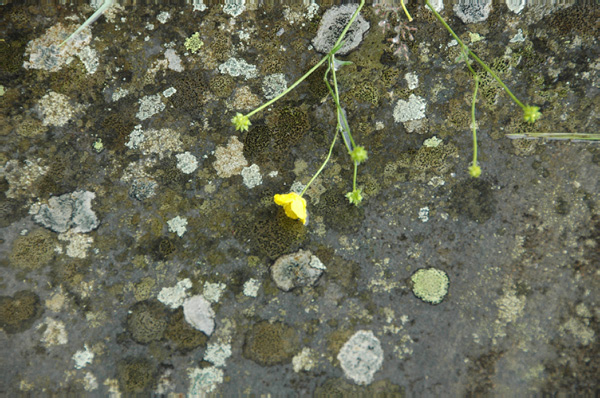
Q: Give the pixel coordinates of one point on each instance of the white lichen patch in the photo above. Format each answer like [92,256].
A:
[230,159]
[204,380]
[304,360]
[21,177]
[251,176]
[238,67]
[158,142]
[582,332]
[45,53]
[510,306]
[361,356]
[244,99]
[56,302]
[186,162]
[251,287]
[198,313]
[412,79]
[54,333]
[90,383]
[217,354]
[432,142]
[163,17]
[234,8]
[169,92]
[71,211]
[89,58]
[173,297]
[150,105]
[412,109]
[82,358]
[119,93]
[78,243]
[424,214]
[178,225]
[55,109]
[174,60]
[273,85]
[213,291]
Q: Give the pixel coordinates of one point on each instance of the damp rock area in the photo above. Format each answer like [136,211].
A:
[142,254]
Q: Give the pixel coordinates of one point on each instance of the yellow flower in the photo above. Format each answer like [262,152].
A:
[241,122]
[293,204]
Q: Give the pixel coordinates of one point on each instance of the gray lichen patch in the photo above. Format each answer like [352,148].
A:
[361,356]
[333,23]
[69,211]
[296,270]
[230,159]
[55,109]
[150,105]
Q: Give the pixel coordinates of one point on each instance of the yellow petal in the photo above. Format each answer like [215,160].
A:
[298,208]
[282,200]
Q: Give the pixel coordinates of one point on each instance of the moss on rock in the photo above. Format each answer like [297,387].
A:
[271,343]
[276,234]
[222,85]
[33,251]
[183,336]
[19,312]
[147,322]
[136,375]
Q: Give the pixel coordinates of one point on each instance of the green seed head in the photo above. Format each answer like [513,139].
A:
[359,154]
[531,113]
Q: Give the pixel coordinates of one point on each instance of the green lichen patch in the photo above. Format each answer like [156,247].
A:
[147,321]
[136,375]
[11,56]
[580,19]
[438,159]
[276,234]
[33,251]
[182,335]
[19,312]
[289,125]
[191,89]
[341,388]
[270,344]
[222,85]
[430,285]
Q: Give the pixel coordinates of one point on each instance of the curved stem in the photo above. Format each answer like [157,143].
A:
[314,68]
[290,88]
[322,166]
[475,57]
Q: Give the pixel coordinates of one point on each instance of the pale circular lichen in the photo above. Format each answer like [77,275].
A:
[430,285]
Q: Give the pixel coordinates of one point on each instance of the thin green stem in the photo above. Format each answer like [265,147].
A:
[354,179]
[336,98]
[343,34]
[290,88]
[322,166]
[314,68]
[473,121]
[475,57]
